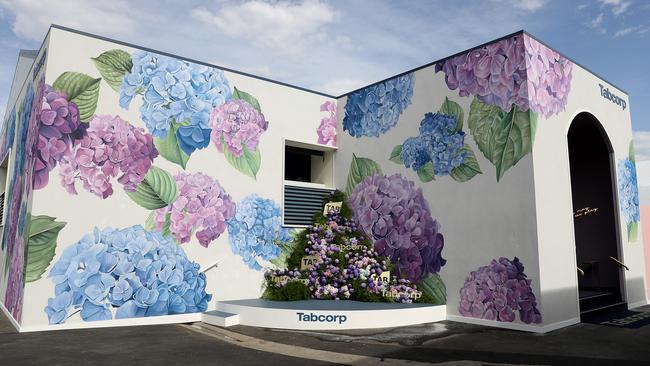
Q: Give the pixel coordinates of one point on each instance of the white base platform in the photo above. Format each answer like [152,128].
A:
[322,314]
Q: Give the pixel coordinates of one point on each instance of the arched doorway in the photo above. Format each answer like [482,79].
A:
[593,189]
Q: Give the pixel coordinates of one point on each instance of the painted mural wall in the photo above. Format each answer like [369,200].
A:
[17,142]
[157,182]
[459,172]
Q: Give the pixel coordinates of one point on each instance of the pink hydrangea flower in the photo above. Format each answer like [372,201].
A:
[237,125]
[202,206]
[111,147]
[58,125]
[327,129]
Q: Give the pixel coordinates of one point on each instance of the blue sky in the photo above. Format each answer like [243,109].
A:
[336,46]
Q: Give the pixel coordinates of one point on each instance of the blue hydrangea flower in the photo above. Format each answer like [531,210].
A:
[137,272]
[438,143]
[376,109]
[175,91]
[256,230]
[628,191]
[10,127]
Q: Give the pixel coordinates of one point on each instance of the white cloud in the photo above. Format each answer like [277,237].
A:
[597,24]
[639,29]
[618,6]
[281,26]
[529,5]
[33,17]
[582,7]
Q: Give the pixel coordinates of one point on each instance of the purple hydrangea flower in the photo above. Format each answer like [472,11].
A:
[517,70]
[499,290]
[238,125]
[202,206]
[14,293]
[395,215]
[327,129]
[111,147]
[58,127]
[549,78]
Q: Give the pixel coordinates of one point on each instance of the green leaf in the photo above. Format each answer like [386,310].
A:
[113,65]
[631,153]
[426,173]
[433,286]
[150,224]
[157,190]
[453,109]
[503,138]
[359,169]
[285,252]
[41,245]
[81,89]
[395,155]
[249,163]
[238,94]
[468,169]
[632,231]
[169,148]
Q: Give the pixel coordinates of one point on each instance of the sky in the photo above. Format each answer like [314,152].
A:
[339,45]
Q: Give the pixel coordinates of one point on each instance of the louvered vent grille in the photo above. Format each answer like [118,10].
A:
[301,203]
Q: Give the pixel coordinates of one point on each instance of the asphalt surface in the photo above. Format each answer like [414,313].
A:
[139,345]
[581,344]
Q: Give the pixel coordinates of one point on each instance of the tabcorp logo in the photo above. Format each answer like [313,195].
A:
[605,93]
[321,318]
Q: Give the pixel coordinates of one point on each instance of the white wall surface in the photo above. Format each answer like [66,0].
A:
[291,113]
[558,275]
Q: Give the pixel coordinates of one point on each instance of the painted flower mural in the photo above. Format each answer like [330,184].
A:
[549,78]
[510,72]
[513,81]
[202,208]
[178,96]
[236,126]
[498,291]
[110,147]
[395,215]
[326,131]
[8,132]
[628,194]
[256,230]
[374,110]
[58,127]
[14,292]
[134,271]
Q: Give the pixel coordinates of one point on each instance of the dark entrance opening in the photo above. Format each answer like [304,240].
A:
[595,220]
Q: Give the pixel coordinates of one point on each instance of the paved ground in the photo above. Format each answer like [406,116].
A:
[146,345]
[445,342]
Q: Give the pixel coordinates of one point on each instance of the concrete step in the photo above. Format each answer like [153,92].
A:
[220,318]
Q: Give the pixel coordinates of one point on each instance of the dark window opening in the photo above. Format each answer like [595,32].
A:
[299,163]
